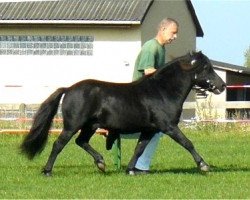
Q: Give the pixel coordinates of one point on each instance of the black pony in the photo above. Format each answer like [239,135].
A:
[149,105]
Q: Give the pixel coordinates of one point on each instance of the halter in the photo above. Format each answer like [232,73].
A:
[201,91]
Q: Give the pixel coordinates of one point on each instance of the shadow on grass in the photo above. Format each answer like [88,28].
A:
[230,168]
[213,169]
[193,170]
[92,169]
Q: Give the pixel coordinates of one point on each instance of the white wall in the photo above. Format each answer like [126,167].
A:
[114,53]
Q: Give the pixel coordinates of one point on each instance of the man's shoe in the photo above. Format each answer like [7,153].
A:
[136,171]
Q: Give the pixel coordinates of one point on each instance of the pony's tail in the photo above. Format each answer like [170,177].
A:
[35,141]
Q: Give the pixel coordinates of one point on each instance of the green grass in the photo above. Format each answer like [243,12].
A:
[175,174]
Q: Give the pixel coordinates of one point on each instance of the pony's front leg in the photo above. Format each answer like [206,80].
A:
[144,139]
[58,145]
[176,134]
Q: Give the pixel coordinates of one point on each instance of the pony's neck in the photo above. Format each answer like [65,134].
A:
[174,83]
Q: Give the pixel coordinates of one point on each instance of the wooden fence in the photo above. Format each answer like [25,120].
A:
[19,116]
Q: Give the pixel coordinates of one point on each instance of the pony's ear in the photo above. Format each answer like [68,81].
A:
[194,56]
[195,53]
[187,62]
[191,53]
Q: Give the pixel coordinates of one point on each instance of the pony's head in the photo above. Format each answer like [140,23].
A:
[204,77]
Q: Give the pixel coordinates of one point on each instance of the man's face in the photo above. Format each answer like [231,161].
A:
[170,33]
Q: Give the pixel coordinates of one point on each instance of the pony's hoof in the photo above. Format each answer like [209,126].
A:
[46,173]
[100,165]
[130,172]
[204,167]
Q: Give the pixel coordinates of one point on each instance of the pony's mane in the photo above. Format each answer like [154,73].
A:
[184,63]
[170,67]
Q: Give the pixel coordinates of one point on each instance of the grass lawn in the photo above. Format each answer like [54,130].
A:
[175,174]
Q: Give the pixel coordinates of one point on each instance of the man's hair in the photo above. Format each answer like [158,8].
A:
[166,22]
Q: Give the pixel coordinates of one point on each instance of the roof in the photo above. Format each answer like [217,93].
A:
[230,67]
[199,31]
[81,12]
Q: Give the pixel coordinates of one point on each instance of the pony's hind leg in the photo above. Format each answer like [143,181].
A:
[83,141]
[58,145]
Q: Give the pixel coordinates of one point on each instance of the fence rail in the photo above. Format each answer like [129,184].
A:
[19,116]
[222,105]
[28,110]
[20,111]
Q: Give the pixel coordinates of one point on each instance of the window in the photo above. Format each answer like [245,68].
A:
[238,93]
[46,45]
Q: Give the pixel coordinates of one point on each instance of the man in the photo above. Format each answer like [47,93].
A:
[151,58]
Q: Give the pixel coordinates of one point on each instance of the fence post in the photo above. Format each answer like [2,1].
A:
[22,109]
[22,114]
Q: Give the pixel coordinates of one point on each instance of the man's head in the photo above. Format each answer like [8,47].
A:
[167,31]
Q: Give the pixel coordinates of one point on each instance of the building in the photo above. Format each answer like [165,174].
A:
[49,44]
[234,103]
[237,96]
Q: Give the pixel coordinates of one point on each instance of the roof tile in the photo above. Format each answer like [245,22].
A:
[112,10]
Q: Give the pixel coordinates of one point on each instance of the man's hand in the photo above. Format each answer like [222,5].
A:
[149,71]
[102,131]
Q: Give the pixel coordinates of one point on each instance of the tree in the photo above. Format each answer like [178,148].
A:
[247,58]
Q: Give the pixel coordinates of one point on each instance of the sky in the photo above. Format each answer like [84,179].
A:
[226,27]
